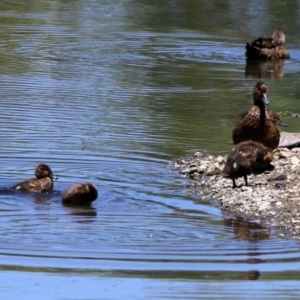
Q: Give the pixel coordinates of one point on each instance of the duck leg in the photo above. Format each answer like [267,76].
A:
[234,184]
[246,180]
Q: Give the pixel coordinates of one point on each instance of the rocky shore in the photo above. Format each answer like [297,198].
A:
[272,197]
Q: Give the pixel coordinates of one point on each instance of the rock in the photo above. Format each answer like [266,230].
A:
[295,161]
[199,154]
[220,160]
[214,170]
[296,150]
[195,175]
[285,154]
[289,139]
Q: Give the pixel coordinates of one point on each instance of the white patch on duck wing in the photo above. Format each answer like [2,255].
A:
[242,153]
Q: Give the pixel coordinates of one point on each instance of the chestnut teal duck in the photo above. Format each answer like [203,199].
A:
[257,124]
[243,157]
[268,48]
[43,183]
[275,118]
[80,194]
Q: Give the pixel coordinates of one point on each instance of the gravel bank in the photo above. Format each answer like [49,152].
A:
[272,197]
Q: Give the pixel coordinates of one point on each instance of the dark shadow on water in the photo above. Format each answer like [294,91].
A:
[82,210]
[253,275]
[264,68]
[247,230]
[39,198]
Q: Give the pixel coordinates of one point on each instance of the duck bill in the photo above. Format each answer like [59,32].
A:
[54,177]
[282,124]
[265,99]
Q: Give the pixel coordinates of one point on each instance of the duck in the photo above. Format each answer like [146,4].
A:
[275,118]
[257,124]
[43,183]
[242,159]
[80,194]
[268,48]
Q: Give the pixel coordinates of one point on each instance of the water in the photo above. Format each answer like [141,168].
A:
[112,93]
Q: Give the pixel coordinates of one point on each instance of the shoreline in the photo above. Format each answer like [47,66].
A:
[272,197]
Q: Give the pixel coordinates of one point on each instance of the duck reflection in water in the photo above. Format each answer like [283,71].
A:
[253,275]
[269,68]
[84,211]
[43,183]
[246,230]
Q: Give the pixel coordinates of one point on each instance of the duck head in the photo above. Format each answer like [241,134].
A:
[260,94]
[42,171]
[278,37]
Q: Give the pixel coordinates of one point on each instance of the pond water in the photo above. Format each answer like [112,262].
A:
[112,92]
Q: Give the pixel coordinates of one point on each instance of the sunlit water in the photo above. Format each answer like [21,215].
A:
[112,93]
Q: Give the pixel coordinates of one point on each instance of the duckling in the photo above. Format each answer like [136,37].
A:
[268,48]
[242,159]
[80,194]
[257,124]
[43,183]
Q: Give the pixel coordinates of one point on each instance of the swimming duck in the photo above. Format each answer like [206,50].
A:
[268,48]
[80,194]
[242,159]
[43,183]
[257,124]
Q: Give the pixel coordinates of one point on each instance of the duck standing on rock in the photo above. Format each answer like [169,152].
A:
[257,124]
[268,48]
[242,159]
[80,194]
[43,183]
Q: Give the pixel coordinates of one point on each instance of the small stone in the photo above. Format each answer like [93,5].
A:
[195,176]
[214,171]
[199,154]
[295,161]
[296,150]
[220,159]
[295,221]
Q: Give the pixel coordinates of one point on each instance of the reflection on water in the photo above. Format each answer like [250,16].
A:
[112,93]
[82,211]
[264,69]
[247,230]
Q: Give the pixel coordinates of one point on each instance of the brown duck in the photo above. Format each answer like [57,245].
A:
[242,159]
[43,183]
[80,194]
[268,48]
[276,120]
[257,124]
